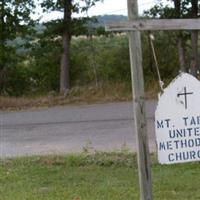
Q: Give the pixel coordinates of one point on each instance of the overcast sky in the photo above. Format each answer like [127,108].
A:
[109,7]
[118,7]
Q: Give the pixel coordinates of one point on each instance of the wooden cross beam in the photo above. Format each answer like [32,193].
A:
[154,24]
[133,26]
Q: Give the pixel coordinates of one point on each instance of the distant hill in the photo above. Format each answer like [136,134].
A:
[101,20]
[105,18]
[39,28]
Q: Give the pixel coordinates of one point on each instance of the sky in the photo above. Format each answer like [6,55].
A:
[115,7]
[118,7]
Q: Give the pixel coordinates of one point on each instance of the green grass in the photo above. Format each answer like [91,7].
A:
[103,176]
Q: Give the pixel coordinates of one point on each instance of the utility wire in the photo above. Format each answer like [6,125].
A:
[124,9]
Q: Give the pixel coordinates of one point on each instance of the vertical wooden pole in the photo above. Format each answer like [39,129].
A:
[139,106]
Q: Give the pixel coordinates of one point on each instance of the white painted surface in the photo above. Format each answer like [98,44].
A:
[177,121]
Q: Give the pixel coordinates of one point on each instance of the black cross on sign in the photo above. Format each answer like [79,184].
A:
[185,94]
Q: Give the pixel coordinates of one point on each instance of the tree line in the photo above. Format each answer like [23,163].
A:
[184,40]
[73,51]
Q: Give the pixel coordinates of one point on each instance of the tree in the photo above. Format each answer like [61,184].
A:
[15,22]
[194,39]
[182,9]
[181,42]
[67,27]
[187,8]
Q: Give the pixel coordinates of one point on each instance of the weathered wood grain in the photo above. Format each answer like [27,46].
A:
[139,106]
[154,24]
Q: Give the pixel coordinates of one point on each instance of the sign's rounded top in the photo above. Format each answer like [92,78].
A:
[181,95]
[182,77]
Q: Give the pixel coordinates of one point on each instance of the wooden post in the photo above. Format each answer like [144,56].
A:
[139,106]
[133,26]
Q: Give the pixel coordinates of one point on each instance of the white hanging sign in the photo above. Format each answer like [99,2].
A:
[177,121]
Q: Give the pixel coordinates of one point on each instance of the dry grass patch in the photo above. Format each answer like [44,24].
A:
[77,95]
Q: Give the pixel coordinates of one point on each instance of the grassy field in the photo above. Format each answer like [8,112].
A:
[103,176]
